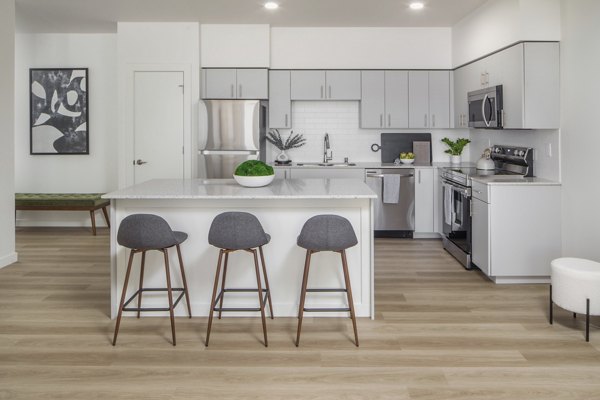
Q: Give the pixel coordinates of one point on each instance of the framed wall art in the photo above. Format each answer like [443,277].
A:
[59,111]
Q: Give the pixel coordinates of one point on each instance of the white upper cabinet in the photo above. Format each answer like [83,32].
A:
[396,99]
[372,105]
[325,85]
[439,99]
[280,104]
[541,85]
[231,83]
[418,97]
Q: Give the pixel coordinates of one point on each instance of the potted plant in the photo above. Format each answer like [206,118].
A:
[293,141]
[456,148]
[254,173]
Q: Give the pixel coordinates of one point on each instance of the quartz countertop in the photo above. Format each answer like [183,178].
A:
[229,189]
[357,165]
[506,180]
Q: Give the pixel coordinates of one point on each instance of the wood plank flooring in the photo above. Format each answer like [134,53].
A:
[441,332]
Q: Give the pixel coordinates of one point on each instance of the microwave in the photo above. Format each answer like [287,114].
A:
[485,108]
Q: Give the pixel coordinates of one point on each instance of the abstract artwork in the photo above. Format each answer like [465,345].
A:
[59,111]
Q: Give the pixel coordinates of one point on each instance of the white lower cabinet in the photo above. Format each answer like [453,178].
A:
[326,173]
[424,200]
[282,173]
[515,231]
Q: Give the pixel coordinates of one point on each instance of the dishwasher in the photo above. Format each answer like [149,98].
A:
[393,220]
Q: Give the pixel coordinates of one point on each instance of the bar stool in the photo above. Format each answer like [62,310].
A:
[141,233]
[230,232]
[326,233]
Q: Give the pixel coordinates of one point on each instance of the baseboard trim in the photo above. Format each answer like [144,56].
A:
[8,259]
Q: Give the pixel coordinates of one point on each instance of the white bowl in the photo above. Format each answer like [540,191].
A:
[254,181]
[407,160]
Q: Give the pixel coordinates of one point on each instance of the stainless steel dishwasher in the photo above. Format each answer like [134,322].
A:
[394,220]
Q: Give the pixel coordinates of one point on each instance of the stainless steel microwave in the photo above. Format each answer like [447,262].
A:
[485,108]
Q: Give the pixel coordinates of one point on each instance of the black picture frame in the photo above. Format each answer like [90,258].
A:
[59,111]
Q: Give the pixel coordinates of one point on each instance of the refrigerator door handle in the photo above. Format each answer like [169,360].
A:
[228,152]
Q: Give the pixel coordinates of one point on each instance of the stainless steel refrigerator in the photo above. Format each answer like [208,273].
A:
[231,132]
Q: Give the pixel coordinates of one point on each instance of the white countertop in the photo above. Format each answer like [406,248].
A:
[357,165]
[505,180]
[229,189]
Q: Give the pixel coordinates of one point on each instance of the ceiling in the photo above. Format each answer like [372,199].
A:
[102,15]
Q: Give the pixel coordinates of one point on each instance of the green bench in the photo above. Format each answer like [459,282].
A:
[64,202]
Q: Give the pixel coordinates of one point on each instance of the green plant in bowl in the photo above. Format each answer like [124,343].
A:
[407,156]
[254,173]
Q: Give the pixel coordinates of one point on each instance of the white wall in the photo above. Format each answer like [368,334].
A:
[499,23]
[235,46]
[93,173]
[341,120]
[358,48]
[580,55]
[7,151]
[147,46]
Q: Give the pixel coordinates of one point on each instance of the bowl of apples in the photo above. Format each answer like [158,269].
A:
[407,158]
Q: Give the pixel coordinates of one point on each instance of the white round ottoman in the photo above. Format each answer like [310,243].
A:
[575,287]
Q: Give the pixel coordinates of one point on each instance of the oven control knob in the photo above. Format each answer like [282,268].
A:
[497,150]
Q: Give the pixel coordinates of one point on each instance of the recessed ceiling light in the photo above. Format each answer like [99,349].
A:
[416,6]
[271,5]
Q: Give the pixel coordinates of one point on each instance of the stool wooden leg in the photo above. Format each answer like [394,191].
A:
[260,297]
[106,216]
[141,282]
[303,295]
[185,286]
[170,295]
[349,294]
[93,218]
[120,314]
[214,295]
[225,262]
[550,308]
[264,268]
[587,320]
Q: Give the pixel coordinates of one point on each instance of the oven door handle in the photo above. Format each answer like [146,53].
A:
[382,175]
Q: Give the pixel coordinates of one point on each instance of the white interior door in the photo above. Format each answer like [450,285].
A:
[158,125]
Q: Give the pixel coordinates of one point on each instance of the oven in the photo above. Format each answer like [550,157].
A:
[486,108]
[456,209]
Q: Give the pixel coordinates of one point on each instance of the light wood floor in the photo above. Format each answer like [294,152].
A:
[441,332]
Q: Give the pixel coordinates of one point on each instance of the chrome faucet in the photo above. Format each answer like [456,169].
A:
[327,153]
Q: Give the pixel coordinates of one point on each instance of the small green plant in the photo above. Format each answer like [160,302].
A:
[407,156]
[293,141]
[254,168]
[456,148]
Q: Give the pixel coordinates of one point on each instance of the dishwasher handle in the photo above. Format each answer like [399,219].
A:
[382,175]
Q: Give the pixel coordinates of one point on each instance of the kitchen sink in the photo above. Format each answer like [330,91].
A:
[321,164]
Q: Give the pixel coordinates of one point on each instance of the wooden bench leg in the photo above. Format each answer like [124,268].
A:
[93,217]
[106,216]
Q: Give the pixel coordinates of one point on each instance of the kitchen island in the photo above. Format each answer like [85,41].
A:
[282,208]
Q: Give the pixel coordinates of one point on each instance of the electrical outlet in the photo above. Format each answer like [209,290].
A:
[549,149]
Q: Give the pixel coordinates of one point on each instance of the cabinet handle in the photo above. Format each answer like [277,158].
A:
[433,120]
[329,91]
[425,120]
[232,91]
[419,176]
[321,91]
[286,120]
[381,120]
[240,93]
[389,120]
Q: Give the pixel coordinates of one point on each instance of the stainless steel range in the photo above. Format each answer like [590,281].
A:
[456,191]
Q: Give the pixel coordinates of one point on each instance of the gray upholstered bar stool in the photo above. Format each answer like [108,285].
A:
[141,233]
[230,232]
[326,233]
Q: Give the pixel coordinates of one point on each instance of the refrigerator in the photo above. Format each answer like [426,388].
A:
[231,132]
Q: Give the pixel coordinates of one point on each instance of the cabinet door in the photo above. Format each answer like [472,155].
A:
[418,99]
[280,105]
[480,234]
[396,99]
[252,84]
[460,98]
[542,86]
[343,85]
[327,173]
[372,104]
[439,99]
[424,204]
[281,173]
[308,85]
[219,83]
[506,68]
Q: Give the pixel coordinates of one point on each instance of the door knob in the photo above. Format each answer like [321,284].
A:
[140,162]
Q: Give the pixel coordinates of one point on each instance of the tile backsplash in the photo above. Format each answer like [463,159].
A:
[341,120]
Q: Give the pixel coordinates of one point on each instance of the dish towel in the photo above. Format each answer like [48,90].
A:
[391,188]
[448,205]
